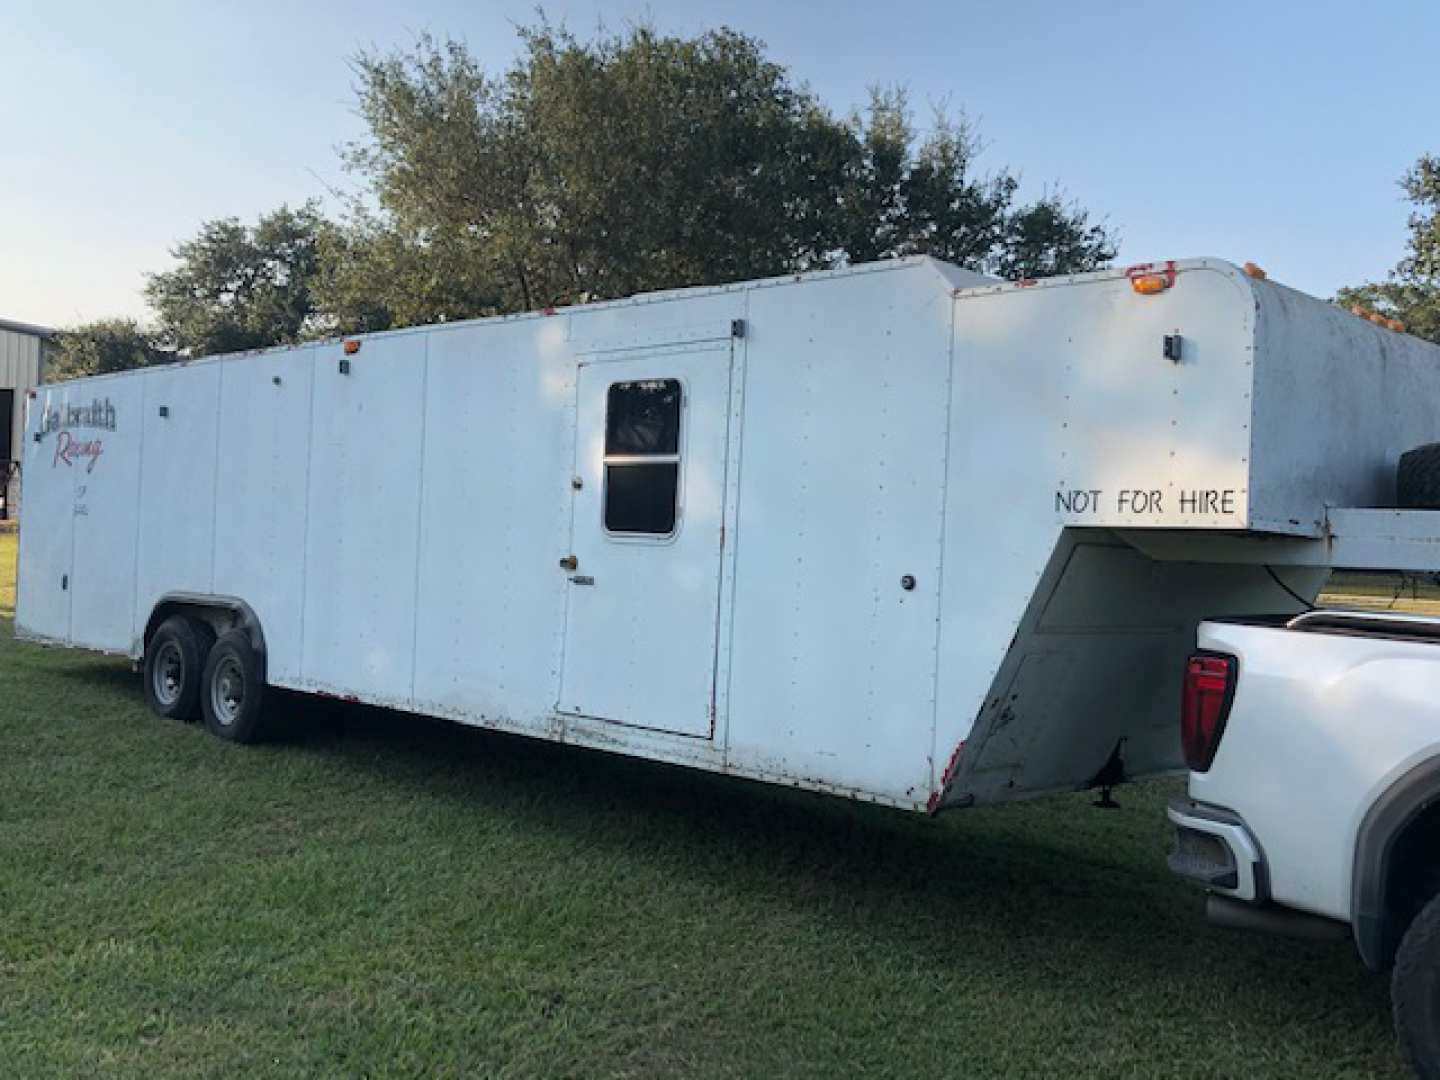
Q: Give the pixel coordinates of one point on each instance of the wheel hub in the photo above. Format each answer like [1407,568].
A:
[227,694]
[168,680]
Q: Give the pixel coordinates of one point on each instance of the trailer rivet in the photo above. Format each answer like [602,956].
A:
[577,482]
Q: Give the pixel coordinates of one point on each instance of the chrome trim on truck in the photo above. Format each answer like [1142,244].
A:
[1242,875]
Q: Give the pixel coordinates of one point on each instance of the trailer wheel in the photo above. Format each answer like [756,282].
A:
[1415,992]
[1417,478]
[174,667]
[232,693]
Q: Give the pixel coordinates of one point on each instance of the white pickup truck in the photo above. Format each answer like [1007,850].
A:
[1313,744]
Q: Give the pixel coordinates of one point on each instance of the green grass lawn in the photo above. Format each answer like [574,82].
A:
[379,895]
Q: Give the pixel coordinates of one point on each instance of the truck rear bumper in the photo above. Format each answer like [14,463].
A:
[1214,848]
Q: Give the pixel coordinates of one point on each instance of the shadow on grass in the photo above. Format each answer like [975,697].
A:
[1050,888]
[102,673]
[1039,868]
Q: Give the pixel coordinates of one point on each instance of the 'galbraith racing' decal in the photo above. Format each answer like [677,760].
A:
[62,422]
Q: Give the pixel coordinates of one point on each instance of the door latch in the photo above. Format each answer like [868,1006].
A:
[570,562]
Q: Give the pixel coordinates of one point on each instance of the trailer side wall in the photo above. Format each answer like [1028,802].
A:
[1337,401]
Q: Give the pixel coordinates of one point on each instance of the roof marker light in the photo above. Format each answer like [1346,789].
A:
[1147,279]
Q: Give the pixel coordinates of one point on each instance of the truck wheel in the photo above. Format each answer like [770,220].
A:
[1415,992]
[174,666]
[232,693]
[1417,478]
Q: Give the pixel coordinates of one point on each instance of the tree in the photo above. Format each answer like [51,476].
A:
[98,348]
[1412,293]
[914,196]
[639,161]
[240,287]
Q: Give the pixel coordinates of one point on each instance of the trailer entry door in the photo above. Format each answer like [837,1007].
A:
[644,562]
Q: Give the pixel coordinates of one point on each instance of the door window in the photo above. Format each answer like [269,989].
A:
[642,457]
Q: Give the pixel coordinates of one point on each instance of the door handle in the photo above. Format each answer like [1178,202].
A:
[569,562]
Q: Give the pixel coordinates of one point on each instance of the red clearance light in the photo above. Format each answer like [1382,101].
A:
[1205,706]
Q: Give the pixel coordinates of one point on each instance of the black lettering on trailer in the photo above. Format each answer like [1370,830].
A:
[1140,501]
[1208,501]
[1085,501]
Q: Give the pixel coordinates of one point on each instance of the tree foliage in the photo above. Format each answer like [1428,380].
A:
[590,170]
[241,287]
[1412,292]
[640,161]
[98,348]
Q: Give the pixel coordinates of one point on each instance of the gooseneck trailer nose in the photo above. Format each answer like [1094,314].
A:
[898,532]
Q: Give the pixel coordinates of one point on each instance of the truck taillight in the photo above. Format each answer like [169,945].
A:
[1209,688]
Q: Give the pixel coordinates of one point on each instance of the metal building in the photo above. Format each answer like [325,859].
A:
[24,350]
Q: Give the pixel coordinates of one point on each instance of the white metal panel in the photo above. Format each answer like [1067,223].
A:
[175,550]
[1110,430]
[1337,401]
[499,425]
[859,455]
[1092,669]
[107,488]
[681,317]
[362,546]
[841,481]
[1062,389]
[261,495]
[47,529]
[1382,539]
[1355,539]
[641,617]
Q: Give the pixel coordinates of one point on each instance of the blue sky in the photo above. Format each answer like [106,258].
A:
[1273,132]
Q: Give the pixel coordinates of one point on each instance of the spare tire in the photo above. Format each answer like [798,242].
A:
[1417,478]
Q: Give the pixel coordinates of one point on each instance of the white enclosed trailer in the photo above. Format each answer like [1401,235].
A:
[898,532]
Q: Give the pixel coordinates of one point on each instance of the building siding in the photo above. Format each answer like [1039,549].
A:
[21,361]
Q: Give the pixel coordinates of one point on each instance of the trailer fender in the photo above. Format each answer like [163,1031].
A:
[221,612]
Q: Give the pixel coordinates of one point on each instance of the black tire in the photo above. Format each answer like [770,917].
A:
[1417,478]
[232,693]
[175,665]
[1415,992]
